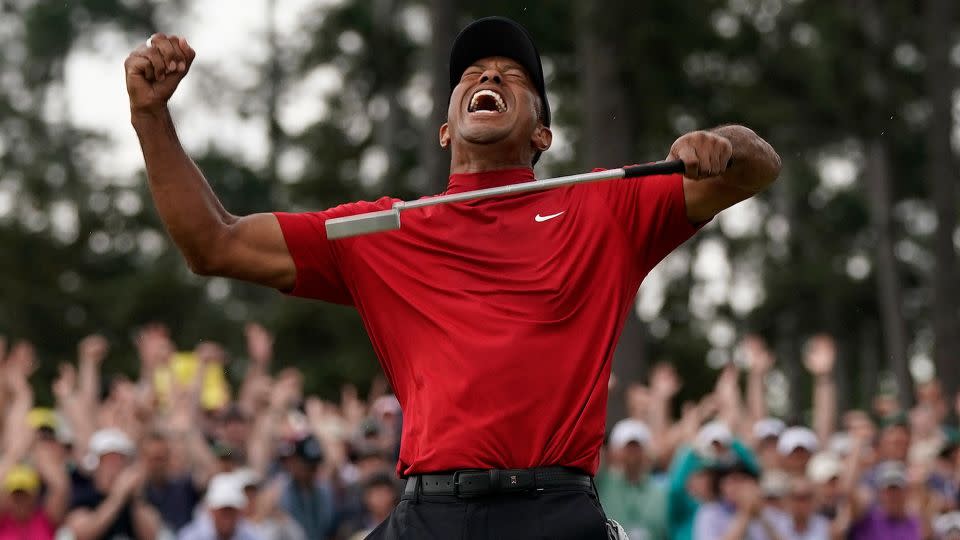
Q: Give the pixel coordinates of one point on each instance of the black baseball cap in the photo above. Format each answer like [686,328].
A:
[498,36]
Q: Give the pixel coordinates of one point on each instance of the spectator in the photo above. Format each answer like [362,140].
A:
[223,519]
[766,434]
[926,435]
[824,471]
[262,512]
[627,492]
[943,479]
[304,495]
[894,439]
[379,499]
[796,446]
[888,516]
[775,486]
[689,486]
[800,520]
[24,512]
[947,526]
[737,511]
[173,494]
[109,504]
[233,427]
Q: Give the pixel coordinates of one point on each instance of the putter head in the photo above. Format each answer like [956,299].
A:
[369,223]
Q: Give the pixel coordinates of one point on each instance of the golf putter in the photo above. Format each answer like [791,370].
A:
[389,220]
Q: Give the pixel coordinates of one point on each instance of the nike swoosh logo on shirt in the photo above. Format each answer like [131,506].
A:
[541,219]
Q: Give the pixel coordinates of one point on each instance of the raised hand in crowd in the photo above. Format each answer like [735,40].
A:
[91,352]
[352,408]
[154,347]
[124,495]
[329,427]
[759,361]
[820,355]
[638,401]
[257,377]
[729,399]
[18,367]
[259,345]
[664,386]
[48,459]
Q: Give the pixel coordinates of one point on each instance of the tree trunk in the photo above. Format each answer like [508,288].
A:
[942,178]
[867,369]
[606,142]
[274,81]
[877,177]
[436,162]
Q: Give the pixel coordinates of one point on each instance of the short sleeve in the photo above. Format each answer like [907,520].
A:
[653,213]
[319,261]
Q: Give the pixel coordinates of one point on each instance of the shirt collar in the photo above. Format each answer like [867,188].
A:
[487,179]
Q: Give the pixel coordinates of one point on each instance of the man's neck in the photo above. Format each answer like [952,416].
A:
[468,162]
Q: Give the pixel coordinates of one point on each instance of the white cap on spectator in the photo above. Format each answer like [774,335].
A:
[107,441]
[710,433]
[840,444]
[795,438]
[945,524]
[629,430]
[823,467]
[768,428]
[225,491]
[890,474]
[247,477]
[111,441]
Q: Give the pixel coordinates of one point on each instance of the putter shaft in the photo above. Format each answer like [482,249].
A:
[389,220]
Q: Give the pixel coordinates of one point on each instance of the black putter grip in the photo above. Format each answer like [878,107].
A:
[650,169]
[659,167]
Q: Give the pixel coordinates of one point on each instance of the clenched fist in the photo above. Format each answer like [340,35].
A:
[704,153]
[155,69]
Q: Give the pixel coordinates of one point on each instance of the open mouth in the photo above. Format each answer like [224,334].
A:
[487,102]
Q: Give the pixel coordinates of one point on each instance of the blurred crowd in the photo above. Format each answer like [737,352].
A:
[177,452]
[727,470]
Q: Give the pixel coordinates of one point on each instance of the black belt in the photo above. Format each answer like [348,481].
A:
[477,483]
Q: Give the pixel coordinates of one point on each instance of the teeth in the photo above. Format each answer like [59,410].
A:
[474,101]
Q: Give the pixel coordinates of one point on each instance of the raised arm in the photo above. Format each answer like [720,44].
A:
[90,354]
[48,461]
[819,358]
[759,363]
[710,185]
[213,241]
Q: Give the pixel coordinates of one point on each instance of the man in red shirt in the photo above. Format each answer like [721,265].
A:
[495,320]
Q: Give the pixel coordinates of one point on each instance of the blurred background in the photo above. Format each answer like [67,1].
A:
[301,105]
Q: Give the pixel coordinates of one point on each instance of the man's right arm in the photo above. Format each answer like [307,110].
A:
[213,241]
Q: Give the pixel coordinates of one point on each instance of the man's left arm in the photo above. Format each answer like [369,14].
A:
[724,166]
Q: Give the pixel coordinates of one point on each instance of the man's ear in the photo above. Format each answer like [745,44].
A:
[542,138]
[444,135]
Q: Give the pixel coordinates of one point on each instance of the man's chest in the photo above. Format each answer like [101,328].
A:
[544,250]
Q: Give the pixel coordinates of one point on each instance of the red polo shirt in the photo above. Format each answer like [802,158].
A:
[495,320]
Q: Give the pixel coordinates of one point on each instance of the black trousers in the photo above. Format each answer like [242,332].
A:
[555,515]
